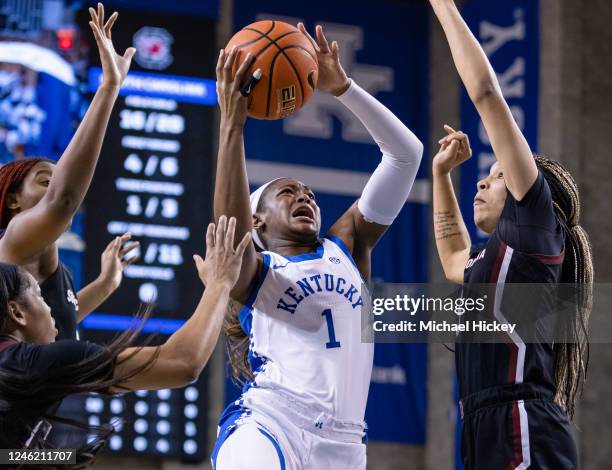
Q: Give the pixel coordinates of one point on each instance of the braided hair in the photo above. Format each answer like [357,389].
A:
[571,355]
[11,178]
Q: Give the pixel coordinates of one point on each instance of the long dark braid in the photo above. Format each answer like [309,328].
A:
[26,396]
[571,355]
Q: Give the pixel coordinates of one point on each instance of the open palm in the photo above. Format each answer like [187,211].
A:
[114,66]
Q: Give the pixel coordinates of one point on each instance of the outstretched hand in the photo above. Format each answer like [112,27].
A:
[222,263]
[454,150]
[114,259]
[332,77]
[114,66]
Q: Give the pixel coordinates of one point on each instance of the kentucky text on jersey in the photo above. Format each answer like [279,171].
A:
[318,283]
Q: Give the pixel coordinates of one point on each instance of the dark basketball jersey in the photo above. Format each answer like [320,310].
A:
[485,365]
[500,262]
[58,291]
[510,419]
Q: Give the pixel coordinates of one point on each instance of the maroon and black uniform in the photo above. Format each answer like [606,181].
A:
[510,420]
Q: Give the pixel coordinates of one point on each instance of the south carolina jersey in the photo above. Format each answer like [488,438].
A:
[304,323]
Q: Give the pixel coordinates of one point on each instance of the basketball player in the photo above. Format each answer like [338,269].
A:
[516,398]
[39,198]
[36,372]
[300,325]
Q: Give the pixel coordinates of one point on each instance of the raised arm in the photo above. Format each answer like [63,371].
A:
[509,145]
[388,188]
[452,238]
[33,230]
[231,183]
[180,360]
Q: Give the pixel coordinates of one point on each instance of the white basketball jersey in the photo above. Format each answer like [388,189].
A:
[304,323]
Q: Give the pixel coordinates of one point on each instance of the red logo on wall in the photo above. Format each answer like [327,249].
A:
[153,48]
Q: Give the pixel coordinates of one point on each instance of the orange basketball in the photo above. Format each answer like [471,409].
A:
[289,66]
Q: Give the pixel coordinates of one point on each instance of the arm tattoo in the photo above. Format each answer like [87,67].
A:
[445,225]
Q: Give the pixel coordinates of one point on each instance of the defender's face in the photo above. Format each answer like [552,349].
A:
[490,199]
[34,186]
[40,325]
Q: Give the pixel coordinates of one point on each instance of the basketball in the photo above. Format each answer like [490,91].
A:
[288,63]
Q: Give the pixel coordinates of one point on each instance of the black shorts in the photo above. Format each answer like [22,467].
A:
[514,427]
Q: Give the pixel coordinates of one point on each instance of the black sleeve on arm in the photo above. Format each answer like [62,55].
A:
[530,225]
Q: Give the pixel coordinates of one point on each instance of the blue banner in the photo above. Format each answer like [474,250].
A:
[385,50]
[508,31]
[161,85]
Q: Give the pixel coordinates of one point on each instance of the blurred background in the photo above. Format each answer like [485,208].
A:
[155,178]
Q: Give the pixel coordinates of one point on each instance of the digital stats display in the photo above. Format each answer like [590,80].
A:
[154,179]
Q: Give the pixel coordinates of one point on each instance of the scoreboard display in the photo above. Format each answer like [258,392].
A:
[154,179]
[154,176]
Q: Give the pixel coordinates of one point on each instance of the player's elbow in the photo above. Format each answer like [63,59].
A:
[187,373]
[65,202]
[485,91]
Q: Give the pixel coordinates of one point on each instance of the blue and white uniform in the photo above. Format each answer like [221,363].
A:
[305,407]
[312,370]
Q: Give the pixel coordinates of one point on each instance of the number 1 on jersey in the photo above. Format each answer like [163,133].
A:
[332,343]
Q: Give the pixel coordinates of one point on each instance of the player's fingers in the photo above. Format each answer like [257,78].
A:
[229,63]
[220,62]
[454,146]
[335,51]
[220,235]
[129,53]
[321,39]
[246,63]
[100,16]
[449,129]
[302,28]
[128,248]
[96,33]
[210,237]
[243,244]
[109,24]
[128,262]
[93,15]
[199,262]
[229,234]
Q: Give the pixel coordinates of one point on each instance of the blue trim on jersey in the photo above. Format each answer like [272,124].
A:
[274,442]
[227,425]
[342,246]
[246,312]
[318,254]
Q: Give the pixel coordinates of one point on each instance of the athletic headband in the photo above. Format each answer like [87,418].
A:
[254,199]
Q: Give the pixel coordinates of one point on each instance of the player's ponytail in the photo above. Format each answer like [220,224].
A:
[237,346]
[572,354]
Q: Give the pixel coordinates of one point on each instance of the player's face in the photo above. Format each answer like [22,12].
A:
[34,187]
[290,212]
[39,324]
[489,200]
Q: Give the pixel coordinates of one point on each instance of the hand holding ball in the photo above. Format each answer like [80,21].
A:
[288,63]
